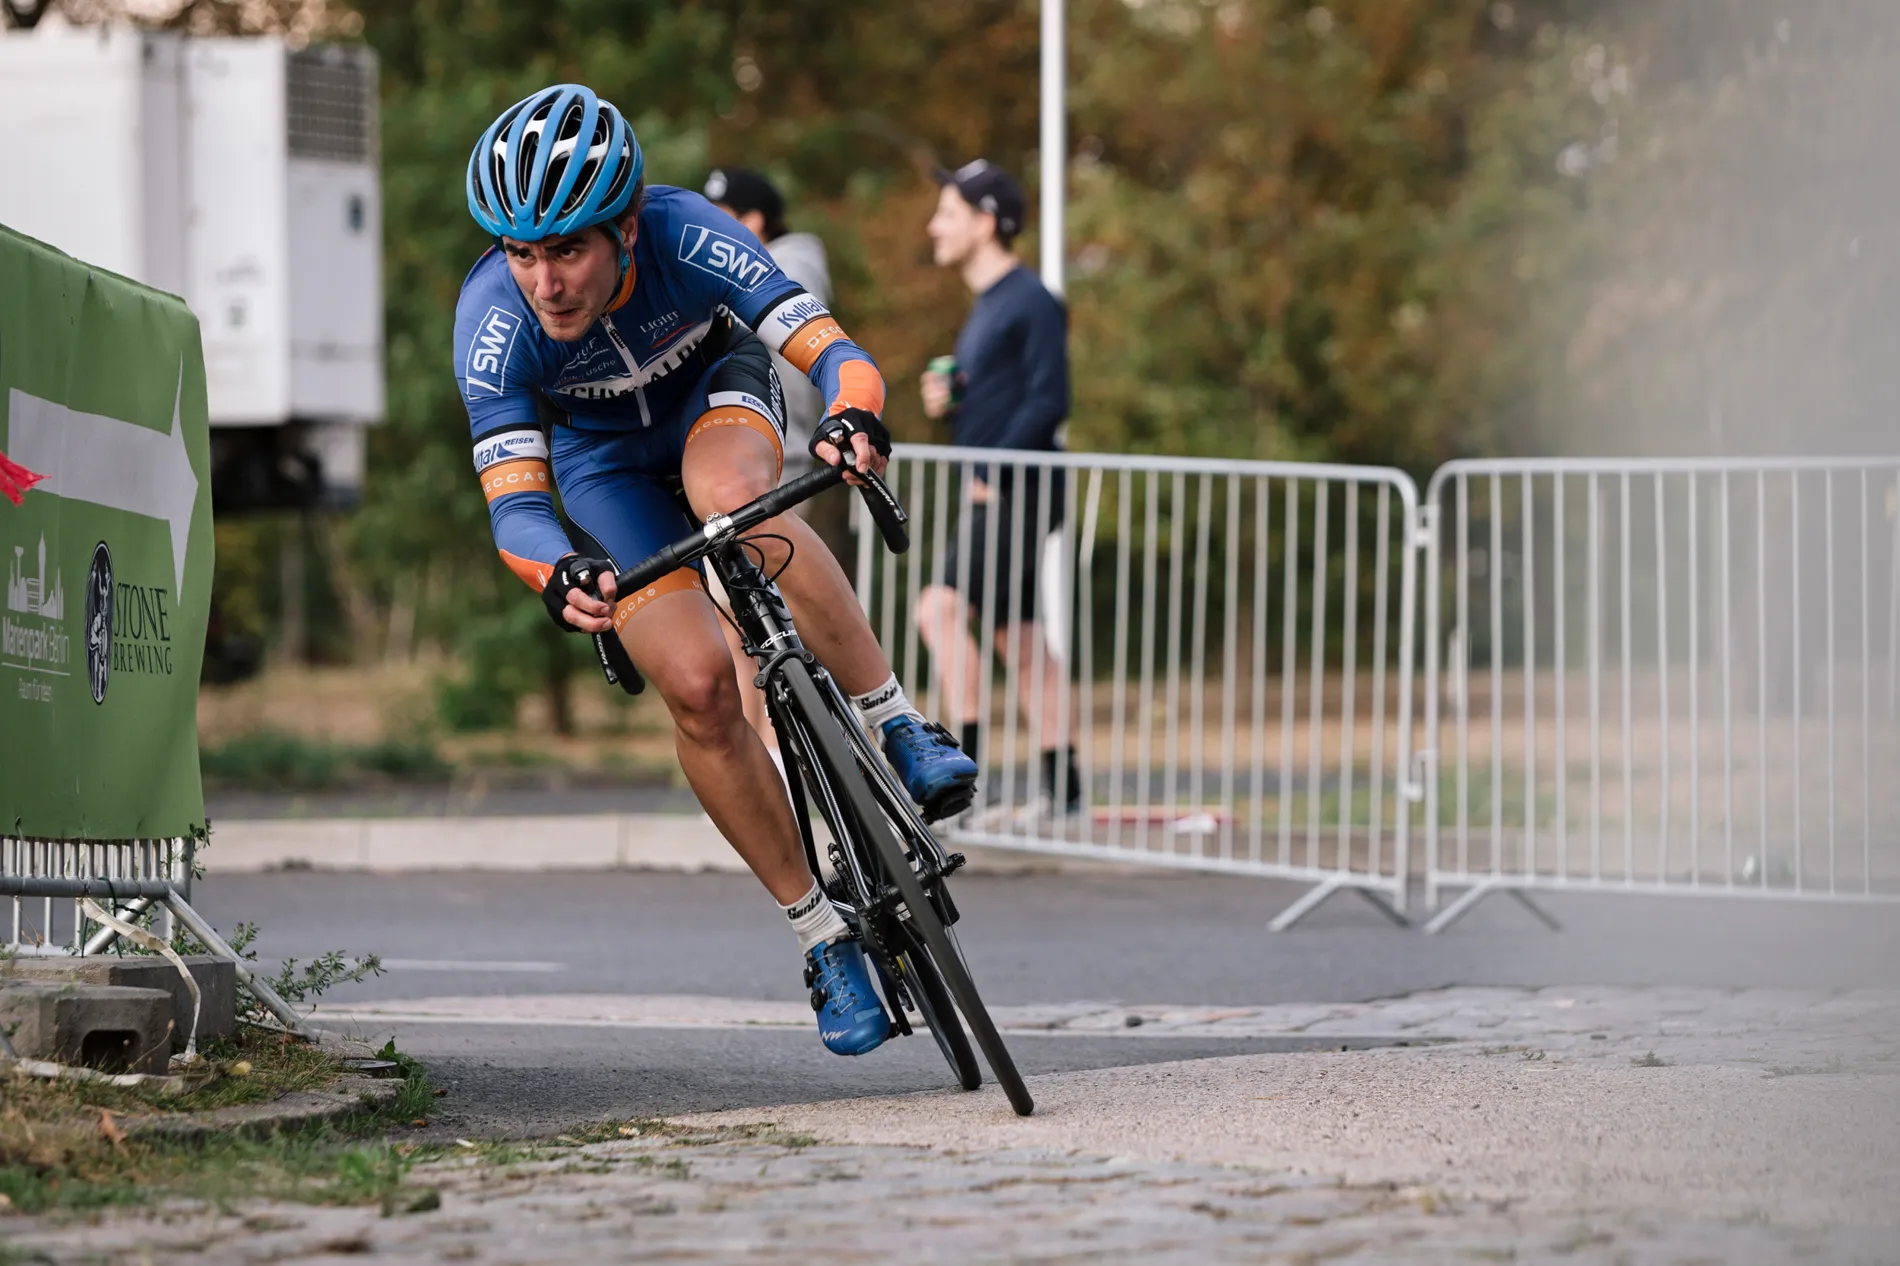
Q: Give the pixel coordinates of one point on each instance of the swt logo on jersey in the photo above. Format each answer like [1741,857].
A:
[488,352]
[722,256]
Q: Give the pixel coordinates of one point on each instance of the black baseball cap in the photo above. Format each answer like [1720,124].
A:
[745,190]
[991,190]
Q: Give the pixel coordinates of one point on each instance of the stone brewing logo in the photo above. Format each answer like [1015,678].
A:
[99,620]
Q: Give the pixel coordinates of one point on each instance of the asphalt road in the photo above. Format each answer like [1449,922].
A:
[1173,939]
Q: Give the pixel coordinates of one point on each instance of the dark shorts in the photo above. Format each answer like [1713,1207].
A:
[1014,522]
[621,486]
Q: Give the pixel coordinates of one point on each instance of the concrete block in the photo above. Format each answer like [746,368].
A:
[106,1027]
[217,984]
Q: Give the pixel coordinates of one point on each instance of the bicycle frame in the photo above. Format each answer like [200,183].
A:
[768,635]
[888,865]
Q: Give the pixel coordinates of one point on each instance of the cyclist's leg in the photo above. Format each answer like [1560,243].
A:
[730,454]
[1019,636]
[723,469]
[945,614]
[672,632]
[1021,644]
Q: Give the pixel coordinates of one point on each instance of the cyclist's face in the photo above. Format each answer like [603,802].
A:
[957,229]
[567,280]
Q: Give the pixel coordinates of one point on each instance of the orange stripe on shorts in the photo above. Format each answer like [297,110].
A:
[738,415]
[524,474]
[673,582]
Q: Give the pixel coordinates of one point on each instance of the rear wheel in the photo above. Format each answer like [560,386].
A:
[919,916]
[933,1003]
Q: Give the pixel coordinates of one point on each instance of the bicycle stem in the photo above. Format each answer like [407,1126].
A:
[721,528]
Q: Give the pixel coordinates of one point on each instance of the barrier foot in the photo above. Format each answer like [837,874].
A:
[1384,906]
[1543,916]
[1478,892]
[1317,895]
[257,988]
[1308,902]
[1456,910]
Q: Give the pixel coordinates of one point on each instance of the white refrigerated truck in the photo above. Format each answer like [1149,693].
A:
[241,175]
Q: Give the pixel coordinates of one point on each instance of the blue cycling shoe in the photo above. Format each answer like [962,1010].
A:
[851,1019]
[935,771]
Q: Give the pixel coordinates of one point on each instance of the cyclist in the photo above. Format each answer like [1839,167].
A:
[639,320]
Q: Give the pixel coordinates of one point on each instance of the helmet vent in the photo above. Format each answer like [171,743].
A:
[555,162]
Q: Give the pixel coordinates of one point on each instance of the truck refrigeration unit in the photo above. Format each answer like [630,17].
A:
[241,175]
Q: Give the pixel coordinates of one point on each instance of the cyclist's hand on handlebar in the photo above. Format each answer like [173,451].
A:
[572,608]
[870,442]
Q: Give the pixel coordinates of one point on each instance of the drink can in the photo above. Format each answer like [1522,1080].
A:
[947,366]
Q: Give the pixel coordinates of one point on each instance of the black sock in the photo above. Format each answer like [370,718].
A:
[972,731]
[1072,789]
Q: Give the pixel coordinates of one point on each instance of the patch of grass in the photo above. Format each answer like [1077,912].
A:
[63,1145]
[416,1100]
[1650,1059]
[772,1136]
[11,1256]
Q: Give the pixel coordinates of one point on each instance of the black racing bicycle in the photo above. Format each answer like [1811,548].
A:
[887,872]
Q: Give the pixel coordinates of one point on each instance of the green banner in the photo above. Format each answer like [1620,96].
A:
[107,558]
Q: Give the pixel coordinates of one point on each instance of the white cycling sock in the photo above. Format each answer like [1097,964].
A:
[814,919]
[886,703]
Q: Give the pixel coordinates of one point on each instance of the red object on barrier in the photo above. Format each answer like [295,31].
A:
[15,479]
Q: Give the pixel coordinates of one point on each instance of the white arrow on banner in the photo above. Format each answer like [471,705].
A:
[120,465]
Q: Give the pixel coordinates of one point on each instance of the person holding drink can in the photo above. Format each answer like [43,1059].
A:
[1007,387]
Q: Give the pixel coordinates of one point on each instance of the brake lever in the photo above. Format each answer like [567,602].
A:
[886,511]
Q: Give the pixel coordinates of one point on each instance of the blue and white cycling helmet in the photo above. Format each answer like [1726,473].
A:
[554,163]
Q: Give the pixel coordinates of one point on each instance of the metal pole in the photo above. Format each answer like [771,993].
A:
[1055,140]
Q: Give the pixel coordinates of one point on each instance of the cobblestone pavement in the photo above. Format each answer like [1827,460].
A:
[1562,1125]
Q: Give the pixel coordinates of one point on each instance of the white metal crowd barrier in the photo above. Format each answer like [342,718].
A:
[45,881]
[66,895]
[1228,647]
[1663,676]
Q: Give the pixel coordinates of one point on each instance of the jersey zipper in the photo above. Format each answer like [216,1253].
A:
[633,369]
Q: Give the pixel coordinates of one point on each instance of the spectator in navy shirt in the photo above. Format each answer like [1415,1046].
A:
[1010,390]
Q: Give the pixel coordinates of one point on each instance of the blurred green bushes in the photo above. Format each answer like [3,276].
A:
[276,761]
[1380,231]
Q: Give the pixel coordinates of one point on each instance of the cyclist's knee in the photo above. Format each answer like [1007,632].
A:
[726,491]
[725,468]
[938,606]
[703,696]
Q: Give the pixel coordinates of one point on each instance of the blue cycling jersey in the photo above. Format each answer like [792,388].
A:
[636,367]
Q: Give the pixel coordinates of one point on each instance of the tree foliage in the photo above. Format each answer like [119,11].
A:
[1386,231]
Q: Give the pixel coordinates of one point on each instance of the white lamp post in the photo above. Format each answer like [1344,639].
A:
[1055,141]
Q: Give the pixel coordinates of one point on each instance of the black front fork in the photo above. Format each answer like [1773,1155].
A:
[766,634]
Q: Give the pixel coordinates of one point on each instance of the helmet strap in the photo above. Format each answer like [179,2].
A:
[624,291]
